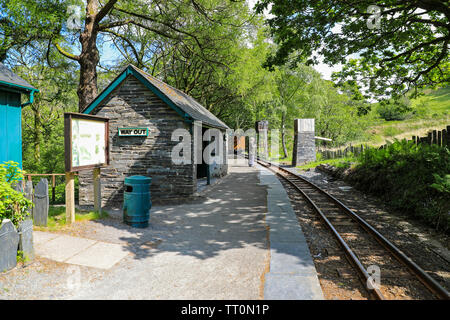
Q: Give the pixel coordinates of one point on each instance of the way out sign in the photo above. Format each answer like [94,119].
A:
[133,132]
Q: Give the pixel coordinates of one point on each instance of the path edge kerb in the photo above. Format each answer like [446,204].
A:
[291,274]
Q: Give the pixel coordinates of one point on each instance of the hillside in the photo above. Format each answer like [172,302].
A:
[429,111]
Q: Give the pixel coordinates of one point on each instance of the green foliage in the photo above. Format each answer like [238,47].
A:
[408,49]
[336,114]
[10,172]
[13,205]
[42,121]
[391,131]
[339,163]
[25,21]
[431,102]
[412,178]
[22,258]
[394,109]
[442,184]
[60,191]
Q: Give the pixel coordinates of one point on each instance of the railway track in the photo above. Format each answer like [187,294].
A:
[364,247]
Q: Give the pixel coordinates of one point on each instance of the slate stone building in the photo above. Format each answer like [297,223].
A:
[136,99]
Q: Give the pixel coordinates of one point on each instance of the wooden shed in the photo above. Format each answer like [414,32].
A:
[143,113]
[12,87]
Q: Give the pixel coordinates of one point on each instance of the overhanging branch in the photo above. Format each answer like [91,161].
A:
[65,53]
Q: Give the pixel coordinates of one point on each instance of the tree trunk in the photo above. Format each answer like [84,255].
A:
[283,134]
[89,58]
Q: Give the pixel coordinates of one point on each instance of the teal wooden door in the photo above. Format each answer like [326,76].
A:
[10,127]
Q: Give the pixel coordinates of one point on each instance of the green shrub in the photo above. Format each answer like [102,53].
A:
[60,192]
[319,156]
[392,109]
[13,204]
[412,178]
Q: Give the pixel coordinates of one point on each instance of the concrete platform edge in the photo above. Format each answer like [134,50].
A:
[292,275]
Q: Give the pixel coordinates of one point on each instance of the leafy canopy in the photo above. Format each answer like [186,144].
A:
[404,46]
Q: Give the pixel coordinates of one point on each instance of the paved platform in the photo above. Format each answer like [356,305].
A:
[292,274]
[216,247]
[78,251]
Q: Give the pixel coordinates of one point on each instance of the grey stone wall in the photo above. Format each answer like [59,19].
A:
[220,170]
[304,149]
[262,128]
[133,105]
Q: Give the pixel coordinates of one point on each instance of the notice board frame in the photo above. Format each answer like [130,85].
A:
[68,116]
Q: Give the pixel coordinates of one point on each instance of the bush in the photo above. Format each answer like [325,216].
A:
[60,192]
[412,178]
[391,109]
[13,204]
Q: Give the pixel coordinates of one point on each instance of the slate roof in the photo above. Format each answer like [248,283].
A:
[177,98]
[184,101]
[10,77]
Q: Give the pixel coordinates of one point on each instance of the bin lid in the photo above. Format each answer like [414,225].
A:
[138,180]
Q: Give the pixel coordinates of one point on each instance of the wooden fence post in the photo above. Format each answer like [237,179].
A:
[53,187]
[447,136]
[70,197]
[97,190]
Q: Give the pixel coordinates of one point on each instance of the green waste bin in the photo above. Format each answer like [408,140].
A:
[137,201]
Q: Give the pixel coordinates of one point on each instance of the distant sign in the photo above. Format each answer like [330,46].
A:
[133,132]
[86,141]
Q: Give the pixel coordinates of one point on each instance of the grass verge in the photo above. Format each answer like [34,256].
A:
[340,163]
[57,217]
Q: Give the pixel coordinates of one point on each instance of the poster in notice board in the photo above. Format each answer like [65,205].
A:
[86,141]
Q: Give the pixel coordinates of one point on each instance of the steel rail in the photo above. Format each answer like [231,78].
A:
[348,252]
[426,279]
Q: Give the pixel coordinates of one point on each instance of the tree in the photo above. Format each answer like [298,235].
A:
[403,45]
[357,99]
[207,72]
[25,21]
[177,20]
[42,121]
[225,76]
[289,83]
[251,83]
